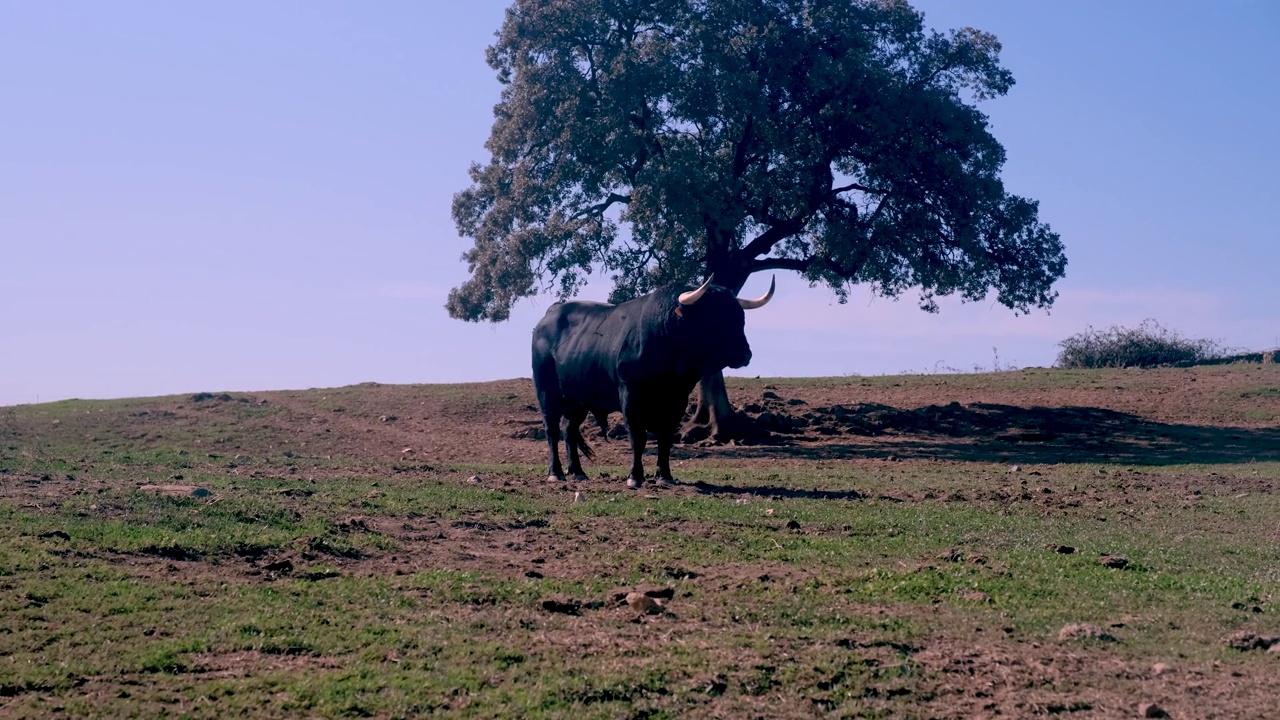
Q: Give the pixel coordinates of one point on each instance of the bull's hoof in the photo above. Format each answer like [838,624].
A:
[633,483]
[580,477]
[555,478]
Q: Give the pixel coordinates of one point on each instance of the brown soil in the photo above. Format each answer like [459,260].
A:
[1153,418]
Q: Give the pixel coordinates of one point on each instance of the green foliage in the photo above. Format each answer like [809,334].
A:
[1148,345]
[665,140]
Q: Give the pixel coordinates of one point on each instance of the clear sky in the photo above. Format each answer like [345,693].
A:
[249,195]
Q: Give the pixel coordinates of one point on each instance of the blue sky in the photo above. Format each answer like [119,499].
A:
[250,196]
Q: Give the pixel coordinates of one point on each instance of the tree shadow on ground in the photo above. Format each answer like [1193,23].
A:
[985,432]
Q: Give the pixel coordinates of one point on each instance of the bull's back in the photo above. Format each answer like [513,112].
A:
[574,347]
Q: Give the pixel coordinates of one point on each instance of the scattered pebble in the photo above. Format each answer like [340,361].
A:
[1151,710]
[475,479]
[176,490]
[1116,562]
[1161,669]
[406,451]
[564,606]
[1084,631]
[578,496]
[1248,640]
[643,604]
[1014,469]
[768,511]
[659,592]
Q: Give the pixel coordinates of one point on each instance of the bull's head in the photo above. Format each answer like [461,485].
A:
[717,321]
[691,297]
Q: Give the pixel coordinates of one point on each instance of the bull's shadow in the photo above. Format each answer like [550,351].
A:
[983,432]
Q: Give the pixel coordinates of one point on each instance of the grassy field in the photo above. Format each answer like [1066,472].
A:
[395,551]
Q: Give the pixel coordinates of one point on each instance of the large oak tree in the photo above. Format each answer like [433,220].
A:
[668,140]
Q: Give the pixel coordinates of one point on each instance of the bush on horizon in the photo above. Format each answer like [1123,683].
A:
[1148,345]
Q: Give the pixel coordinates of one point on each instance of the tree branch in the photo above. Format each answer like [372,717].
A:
[776,233]
[773,263]
[740,152]
[858,186]
[601,206]
[802,265]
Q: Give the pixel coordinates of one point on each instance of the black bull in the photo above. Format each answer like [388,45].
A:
[641,358]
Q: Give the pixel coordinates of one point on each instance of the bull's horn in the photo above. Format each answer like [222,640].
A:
[760,301]
[693,296]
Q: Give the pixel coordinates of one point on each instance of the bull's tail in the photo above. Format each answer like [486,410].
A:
[574,436]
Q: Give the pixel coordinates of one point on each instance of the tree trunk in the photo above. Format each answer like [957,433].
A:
[714,417]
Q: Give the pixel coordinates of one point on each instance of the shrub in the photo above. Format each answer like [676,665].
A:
[1148,345]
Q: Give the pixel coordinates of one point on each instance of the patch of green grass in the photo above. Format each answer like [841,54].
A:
[799,587]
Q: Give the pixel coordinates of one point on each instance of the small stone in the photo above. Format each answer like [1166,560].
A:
[1115,562]
[564,606]
[1161,669]
[1247,640]
[1151,710]
[1014,469]
[643,604]
[475,480]
[660,592]
[406,451]
[768,511]
[1083,631]
[578,496]
[192,491]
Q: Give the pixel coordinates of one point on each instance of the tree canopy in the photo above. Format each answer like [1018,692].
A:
[664,140]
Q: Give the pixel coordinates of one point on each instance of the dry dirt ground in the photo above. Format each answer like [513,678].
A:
[1159,420]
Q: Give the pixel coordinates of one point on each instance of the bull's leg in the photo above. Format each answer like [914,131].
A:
[551,421]
[634,417]
[639,435]
[666,437]
[573,440]
[664,458]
